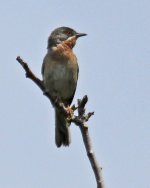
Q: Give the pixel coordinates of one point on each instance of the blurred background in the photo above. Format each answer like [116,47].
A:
[114,61]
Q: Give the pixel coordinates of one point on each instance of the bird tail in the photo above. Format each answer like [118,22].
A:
[62,133]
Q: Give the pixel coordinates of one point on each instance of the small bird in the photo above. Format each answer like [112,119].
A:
[60,74]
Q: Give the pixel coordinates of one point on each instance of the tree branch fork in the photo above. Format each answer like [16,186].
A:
[79,120]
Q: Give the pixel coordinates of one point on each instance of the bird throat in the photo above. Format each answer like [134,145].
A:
[69,43]
[63,50]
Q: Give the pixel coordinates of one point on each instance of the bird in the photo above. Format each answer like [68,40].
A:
[60,75]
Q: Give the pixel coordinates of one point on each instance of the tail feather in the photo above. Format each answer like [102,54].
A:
[62,133]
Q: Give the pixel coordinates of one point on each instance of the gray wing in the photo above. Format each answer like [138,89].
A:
[46,59]
[43,66]
[71,98]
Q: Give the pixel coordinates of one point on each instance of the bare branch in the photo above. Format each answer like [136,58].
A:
[29,73]
[88,143]
[79,120]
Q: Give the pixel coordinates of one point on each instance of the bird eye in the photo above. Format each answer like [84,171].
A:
[68,33]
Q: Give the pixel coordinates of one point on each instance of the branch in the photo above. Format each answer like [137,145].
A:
[88,143]
[29,73]
[79,120]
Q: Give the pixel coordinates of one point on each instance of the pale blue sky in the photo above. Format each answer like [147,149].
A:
[114,61]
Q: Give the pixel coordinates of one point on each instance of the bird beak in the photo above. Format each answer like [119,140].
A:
[80,35]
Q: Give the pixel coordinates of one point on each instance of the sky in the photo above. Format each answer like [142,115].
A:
[114,62]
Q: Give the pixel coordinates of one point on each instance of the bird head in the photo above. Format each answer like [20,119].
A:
[62,34]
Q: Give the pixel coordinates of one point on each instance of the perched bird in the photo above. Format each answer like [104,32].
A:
[60,75]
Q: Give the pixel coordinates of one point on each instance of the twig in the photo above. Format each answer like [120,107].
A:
[79,120]
[88,143]
[29,73]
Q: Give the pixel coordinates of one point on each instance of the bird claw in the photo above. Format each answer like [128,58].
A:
[69,110]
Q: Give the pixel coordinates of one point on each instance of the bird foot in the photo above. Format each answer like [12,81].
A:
[69,110]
